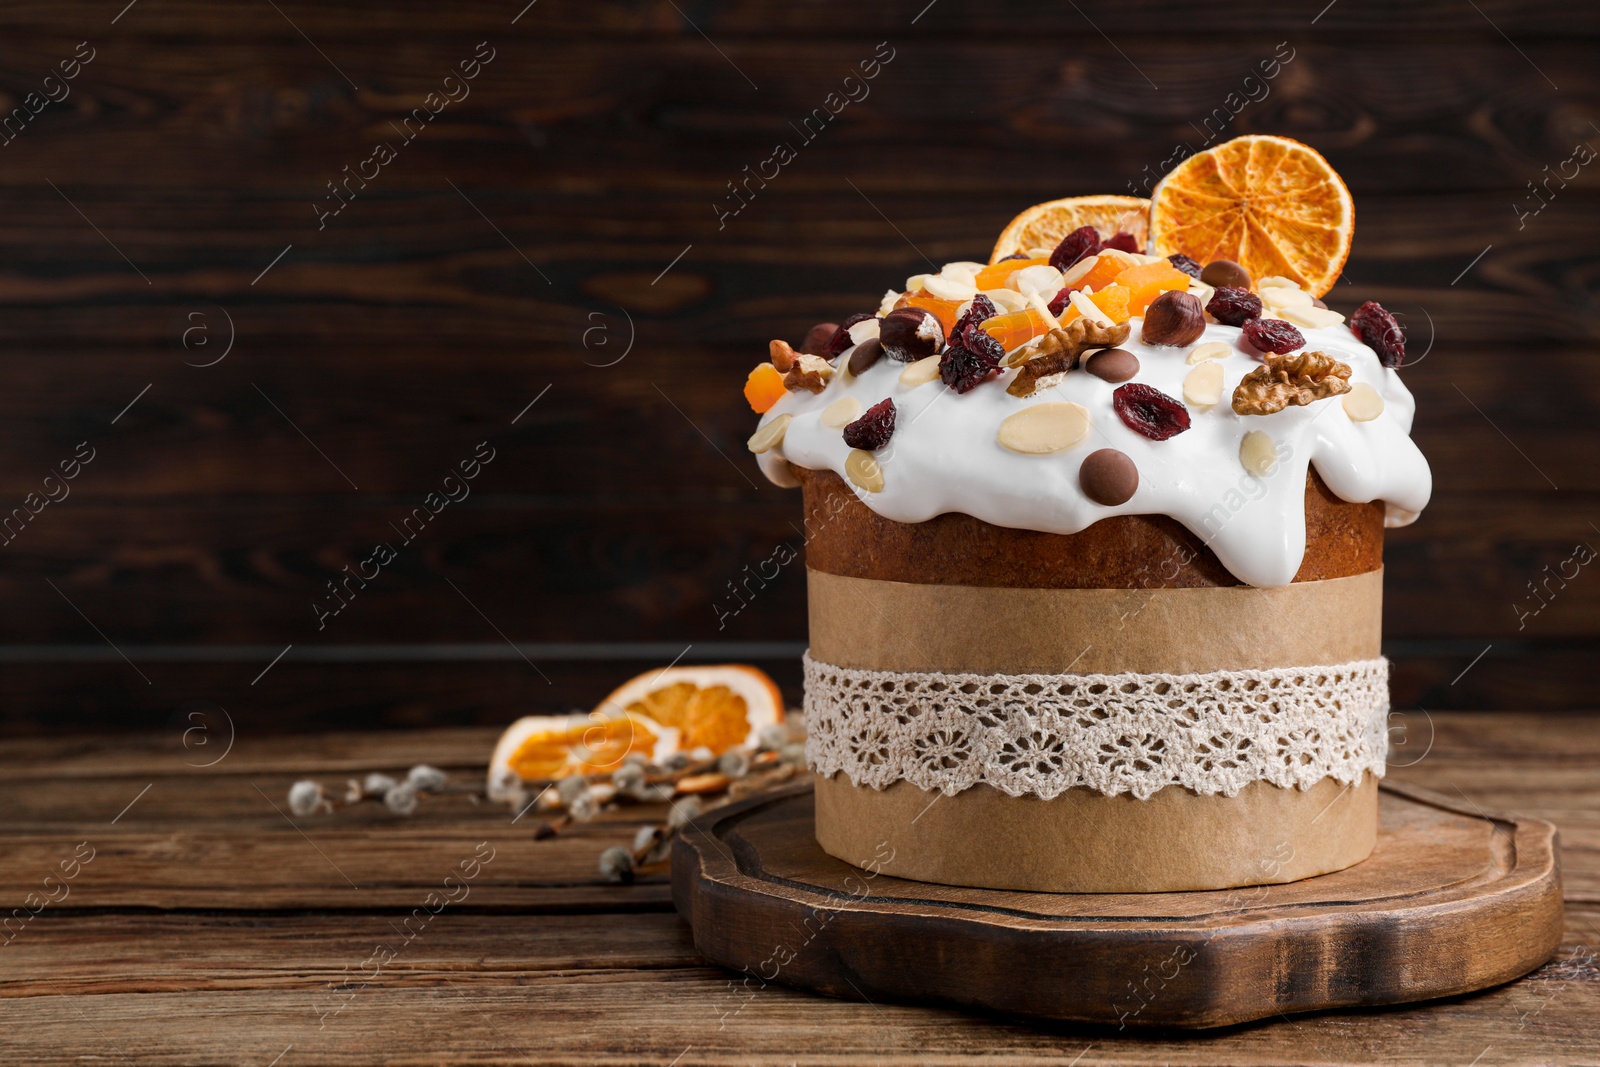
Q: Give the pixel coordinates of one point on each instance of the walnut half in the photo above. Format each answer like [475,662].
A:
[808,372]
[1060,349]
[1299,378]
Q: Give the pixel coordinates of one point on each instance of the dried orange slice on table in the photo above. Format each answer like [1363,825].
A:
[679,709]
[1044,225]
[1270,204]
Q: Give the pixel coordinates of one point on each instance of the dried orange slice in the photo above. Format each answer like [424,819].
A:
[656,714]
[1269,203]
[554,746]
[1044,225]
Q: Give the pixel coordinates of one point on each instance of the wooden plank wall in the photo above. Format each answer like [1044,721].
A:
[169,199]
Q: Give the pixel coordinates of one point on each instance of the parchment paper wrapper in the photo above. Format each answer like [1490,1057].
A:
[1083,841]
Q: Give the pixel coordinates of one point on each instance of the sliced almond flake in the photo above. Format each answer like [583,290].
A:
[1007,299]
[1201,291]
[1071,275]
[1038,278]
[962,271]
[886,305]
[841,413]
[1122,257]
[1044,428]
[1258,453]
[1203,385]
[1362,403]
[863,470]
[949,288]
[1280,297]
[1041,253]
[1312,318]
[914,282]
[864,330]
[770,435]
[1276,281]
[1088,309]
[921,372]
[1209,350]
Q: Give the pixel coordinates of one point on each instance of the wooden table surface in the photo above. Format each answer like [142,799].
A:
[210,926]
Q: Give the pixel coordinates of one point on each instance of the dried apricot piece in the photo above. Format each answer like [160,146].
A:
[1102,274]
[995,275]
[944,310]
[1015,328]
[764,388]
[1148,281]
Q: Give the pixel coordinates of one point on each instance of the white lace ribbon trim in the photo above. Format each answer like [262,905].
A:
[1041,734]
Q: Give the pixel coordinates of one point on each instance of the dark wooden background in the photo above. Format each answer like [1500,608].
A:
[458,287]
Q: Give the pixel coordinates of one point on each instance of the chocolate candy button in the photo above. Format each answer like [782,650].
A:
[1108,477]
[1220,272]
[1112,364]
[865,355]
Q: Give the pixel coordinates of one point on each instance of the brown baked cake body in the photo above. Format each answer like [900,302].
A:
[845,537]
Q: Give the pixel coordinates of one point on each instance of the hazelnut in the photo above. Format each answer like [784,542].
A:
[1173,318]
[910,333]
[817,338]
[1220,272]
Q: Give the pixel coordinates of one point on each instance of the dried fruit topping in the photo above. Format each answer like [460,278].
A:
[1185,264]
[964,369]
[1148,411]
[1014,255]
[944,310]
[810,373]
[1084,241]
[1147,281]
[781,354]
[1123,241]
[1220,272]
[1173,318]
[1062,300]
[873,429]
[1273,335]
[1300,379]
[841,337]
[1380,332]
[980,310]
[1059,351]
[1233,306]
[1015,328]
[865,355]
[817,338]
[911,333]
[764,388]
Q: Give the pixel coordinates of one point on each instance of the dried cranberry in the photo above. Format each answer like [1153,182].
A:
[1273,335]
[1123,241]
[972,362]
[1380,332]
[1083,241]
[1058,306]
[1185,264]
[1149,411]
[1014,255]
[980,310]
[872,430]
[841,337]
[1233,306]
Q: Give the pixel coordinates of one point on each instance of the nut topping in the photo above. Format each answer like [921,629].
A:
[1173,318]
[1282,380]
[781,354]
[1060,349]
[810,373]
[910,333]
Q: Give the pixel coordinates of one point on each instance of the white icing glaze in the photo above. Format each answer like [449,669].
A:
[944,456]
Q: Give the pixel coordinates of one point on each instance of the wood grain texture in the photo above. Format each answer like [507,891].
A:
[591,152]
[615,979]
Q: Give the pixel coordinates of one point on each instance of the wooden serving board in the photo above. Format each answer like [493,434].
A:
[1452,900]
